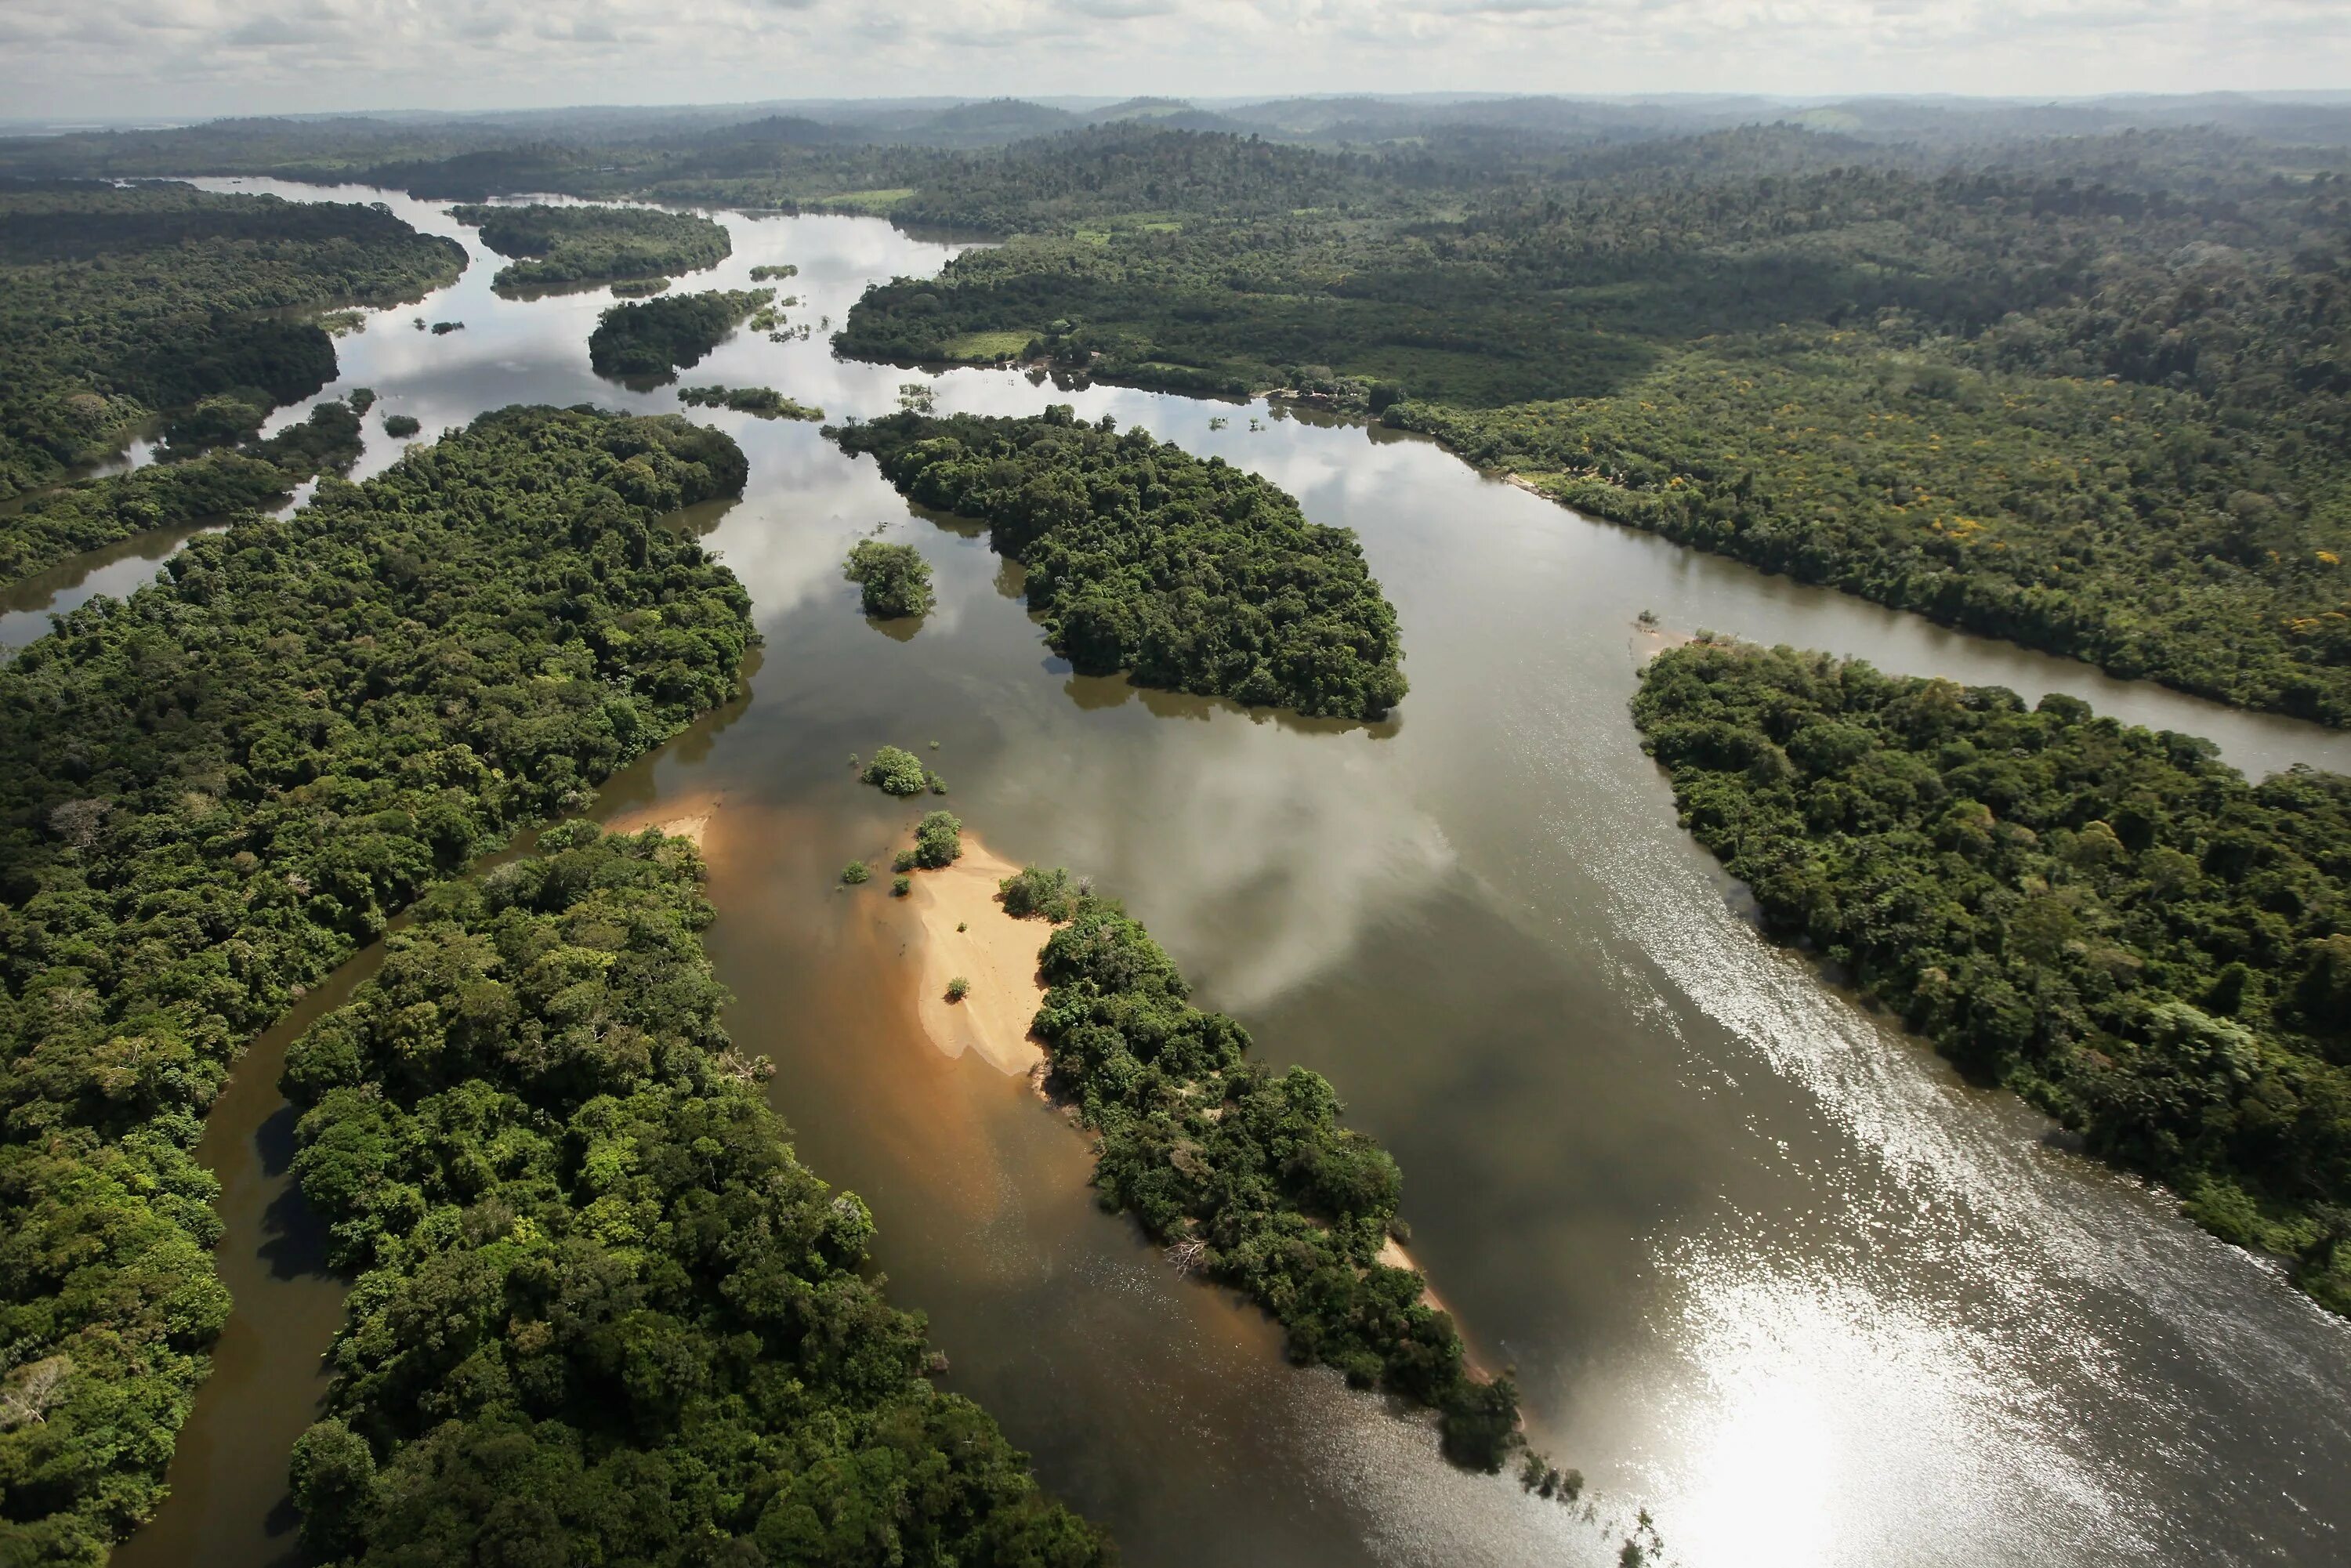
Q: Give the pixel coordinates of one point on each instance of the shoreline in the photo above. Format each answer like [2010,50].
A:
[689,819]
[996,953]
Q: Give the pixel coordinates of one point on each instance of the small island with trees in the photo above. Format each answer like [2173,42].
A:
[555,245]
[653,339]
[893,581]
[765,402]
[1192,575]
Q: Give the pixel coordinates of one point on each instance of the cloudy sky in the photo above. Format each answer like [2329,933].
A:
[75,58]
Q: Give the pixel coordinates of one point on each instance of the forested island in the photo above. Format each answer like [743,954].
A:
[652,1340]
[223,785]
[2108,919]
[1193,576]
[1245,1176]
[765,402]
[656,337]
[119,304]
[555,245]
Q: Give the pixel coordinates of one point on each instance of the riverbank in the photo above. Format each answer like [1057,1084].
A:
[964,932]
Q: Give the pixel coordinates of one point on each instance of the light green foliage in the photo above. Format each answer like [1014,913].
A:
[765,401]
[1194,576]
[1048,894]
[219,786]
[893,580]
[602,1309]
[900,886]
[117,304]
[938,840]
[1248,1176]
[578,245]
[855,873]
[655,338]
[772,271]
[958,987]
[2107,918]
[896,771]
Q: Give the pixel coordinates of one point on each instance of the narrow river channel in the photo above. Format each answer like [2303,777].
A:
[1763,1265]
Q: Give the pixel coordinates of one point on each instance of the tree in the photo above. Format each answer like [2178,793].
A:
[894,580]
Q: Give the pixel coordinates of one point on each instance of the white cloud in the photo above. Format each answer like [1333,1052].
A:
[147,58]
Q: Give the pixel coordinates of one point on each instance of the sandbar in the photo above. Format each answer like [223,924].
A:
[995,951]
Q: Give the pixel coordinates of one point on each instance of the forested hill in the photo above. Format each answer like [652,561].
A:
[217,788]
[555,245]
[1193,576]
[2106,918]
[650,1341]
[117,304]
[2088,394]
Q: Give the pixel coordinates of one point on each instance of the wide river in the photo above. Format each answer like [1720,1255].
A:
[1763,1265]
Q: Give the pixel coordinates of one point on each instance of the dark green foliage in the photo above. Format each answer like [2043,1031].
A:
[654,338]
[1195,575]
[896,771]
[640,287]
[400,427]
[218,788]
[48,528]
[765,401]
[578,245]
[603,1314]
[900,886]
[117,304]
[2107,918]
[1247,1177]
[893,580]
[1051,894]
[938,840]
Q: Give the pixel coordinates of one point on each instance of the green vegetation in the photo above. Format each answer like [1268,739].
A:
[49,527]
[1195,575]
[765,401]
[856,873]
[223,785]
[640,287]
[442,329]
[893,580]
[938,840]
[2087,395]
[580,245]
[603,1310]
[900,886]
[1245,1178]
[958,987]
[116,305]
[2108,919]
[895,771]
[765,274]
[654,337]
[401,427]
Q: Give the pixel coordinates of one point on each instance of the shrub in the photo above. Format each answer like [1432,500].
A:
[1034,891]
[896,772]
[901,886]
[958,988]
[401,427]
[854,873]
[938,842]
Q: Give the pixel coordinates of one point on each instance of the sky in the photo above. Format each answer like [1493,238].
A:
[188,58]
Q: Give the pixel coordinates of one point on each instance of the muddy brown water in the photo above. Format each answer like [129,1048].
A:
[1763,1266]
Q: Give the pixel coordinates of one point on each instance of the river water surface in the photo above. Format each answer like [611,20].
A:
[1763,1266]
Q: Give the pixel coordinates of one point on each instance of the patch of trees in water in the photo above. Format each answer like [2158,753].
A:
[117,303]
[765,402]
[893,580]
[1194,576]
[651,1339]
[578,245]
[1245,1178]
[656,337]
[2108,919]
[223,785]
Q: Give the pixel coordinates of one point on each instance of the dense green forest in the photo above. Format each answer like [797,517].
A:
[1246,1177]
[2087,395]
[223,785]
[48,528]
[116,305]
[576,245]
[657,338]
[650,1341]
[2107,918]
[1195,575]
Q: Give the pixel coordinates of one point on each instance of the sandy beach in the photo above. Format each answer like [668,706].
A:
[995,951]
[687,819]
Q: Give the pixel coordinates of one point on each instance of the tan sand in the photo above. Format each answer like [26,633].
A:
[995,951]
[687,819]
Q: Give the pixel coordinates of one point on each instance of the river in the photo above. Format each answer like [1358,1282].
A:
[1762,1264]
